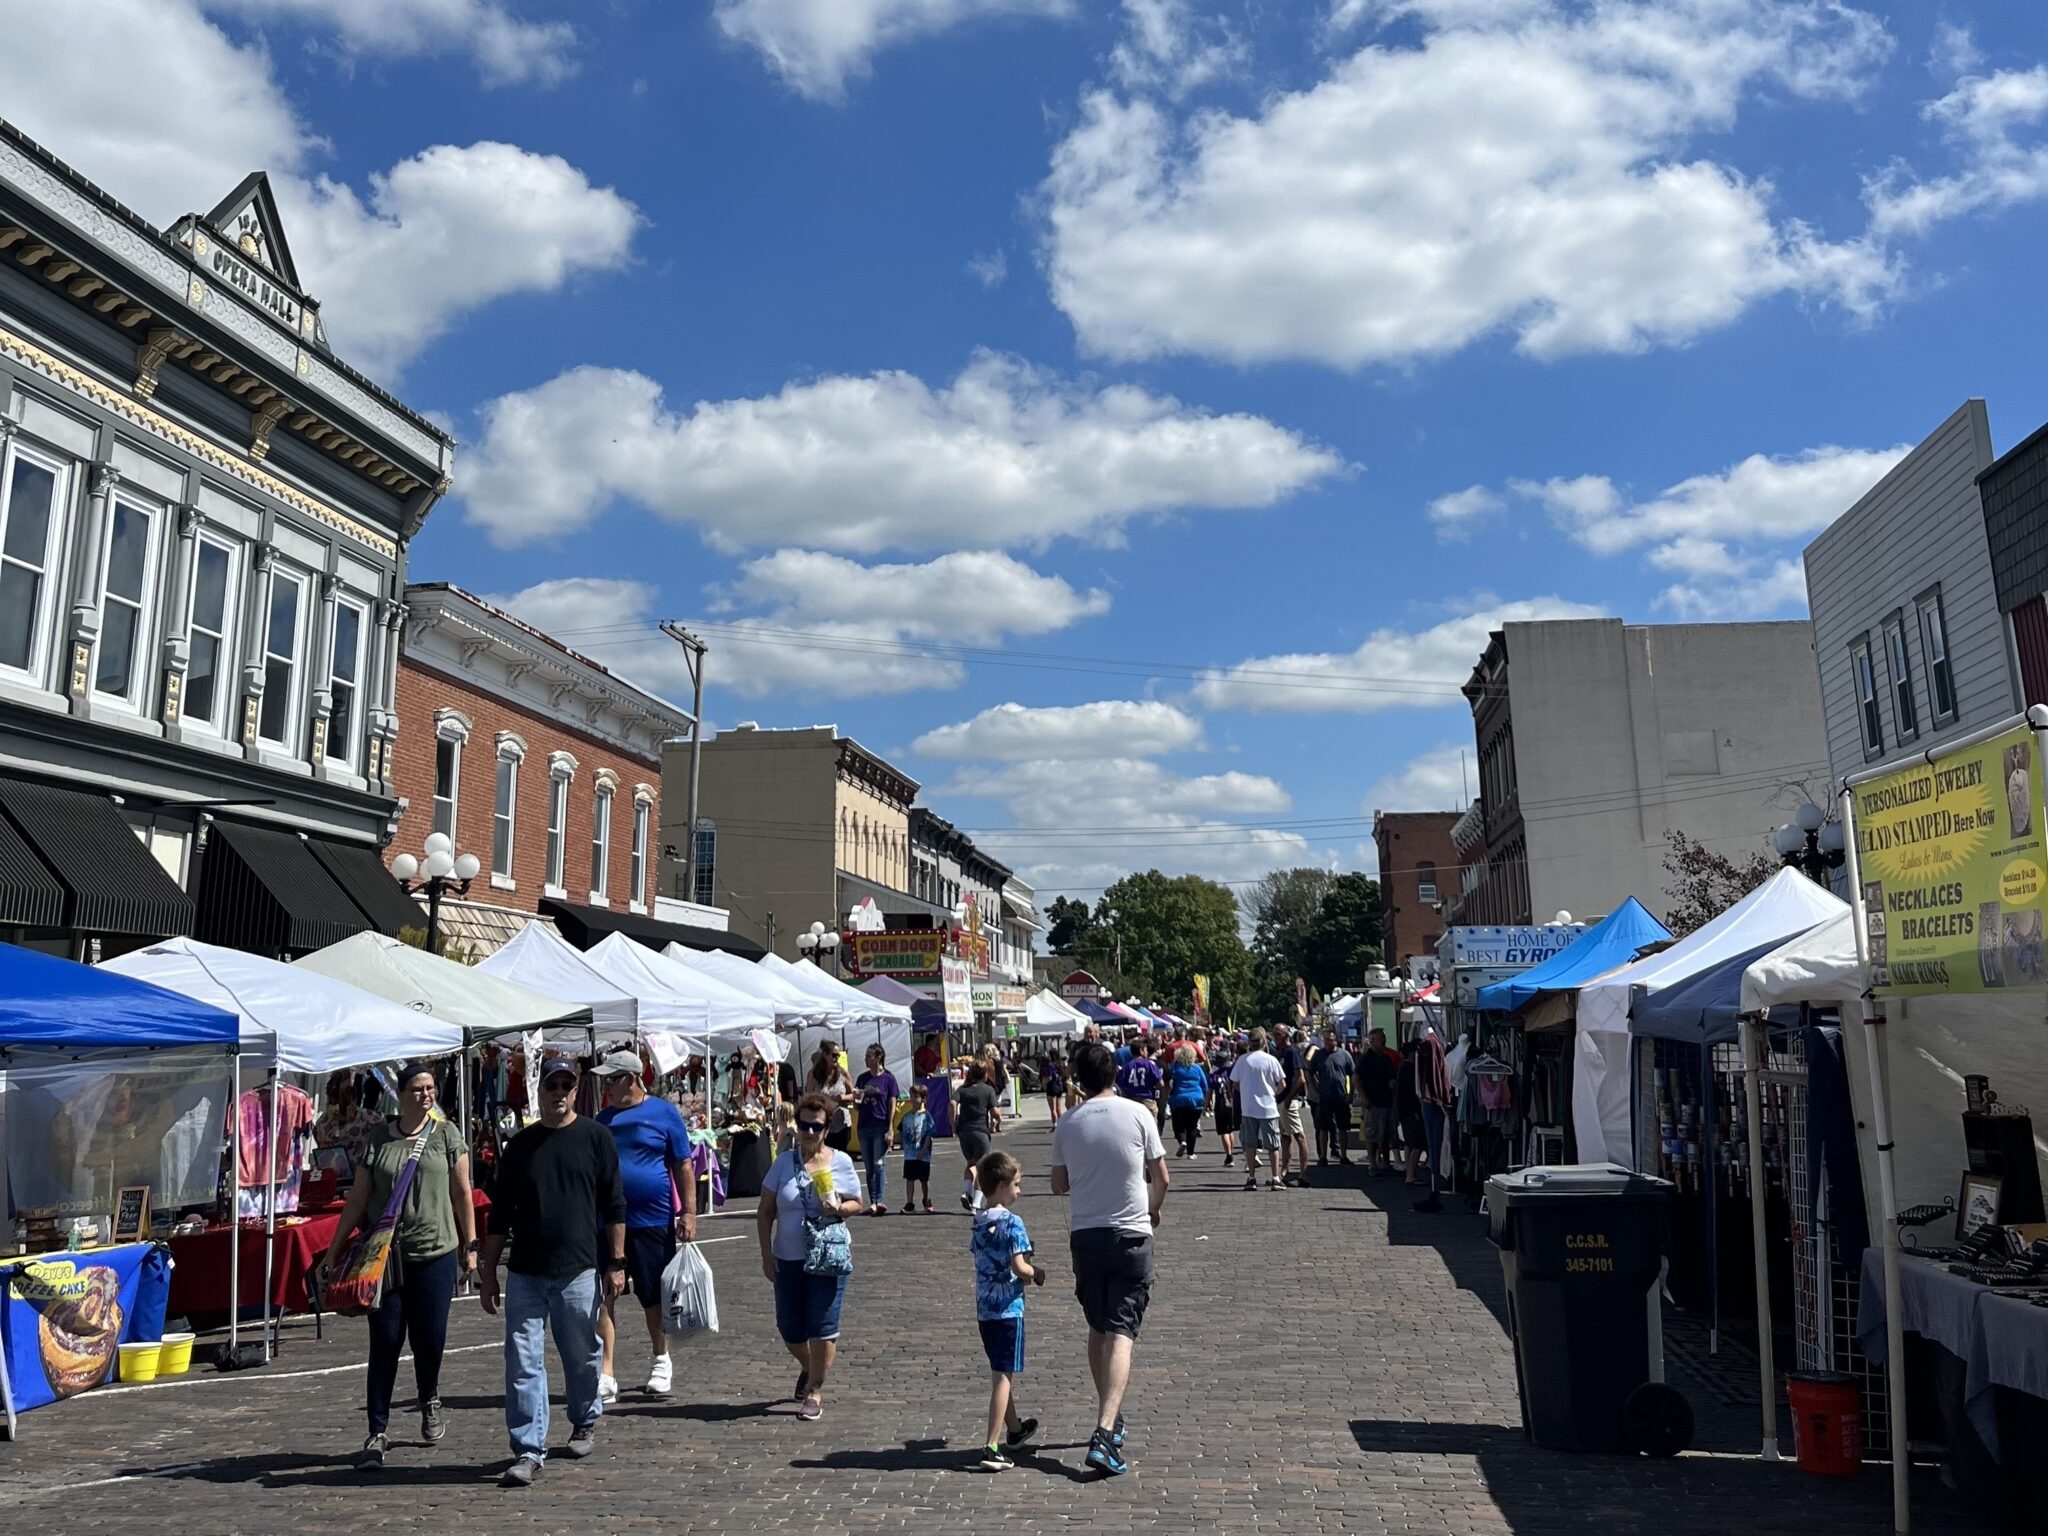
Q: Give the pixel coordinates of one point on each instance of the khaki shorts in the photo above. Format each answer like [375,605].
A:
[1290,1119]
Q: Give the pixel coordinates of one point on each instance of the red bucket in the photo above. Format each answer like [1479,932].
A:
[1827,1423]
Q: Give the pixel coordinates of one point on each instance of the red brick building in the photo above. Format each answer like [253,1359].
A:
[1418,872]
[538,760]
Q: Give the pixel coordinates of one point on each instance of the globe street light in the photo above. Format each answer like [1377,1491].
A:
[1810,843]
[441,871]
[820,941]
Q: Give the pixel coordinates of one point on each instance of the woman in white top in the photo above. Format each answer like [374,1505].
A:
[815,1182]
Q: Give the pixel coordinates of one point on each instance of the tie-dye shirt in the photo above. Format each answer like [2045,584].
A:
[999,1236]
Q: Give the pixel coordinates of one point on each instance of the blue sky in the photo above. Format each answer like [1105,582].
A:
[1130,414]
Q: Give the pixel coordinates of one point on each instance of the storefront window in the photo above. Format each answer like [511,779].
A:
[128,601]
[212,621]
[281,640]
[28,535]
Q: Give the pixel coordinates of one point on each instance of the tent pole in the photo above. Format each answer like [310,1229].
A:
[270,1219]
[1752,1087]
[1887,1216]
[1710,1176]
[235,1203]
[462,1125]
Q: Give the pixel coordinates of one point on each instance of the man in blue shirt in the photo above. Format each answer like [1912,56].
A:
[661,1204]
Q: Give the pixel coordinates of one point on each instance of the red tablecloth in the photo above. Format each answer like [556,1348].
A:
[199,1283]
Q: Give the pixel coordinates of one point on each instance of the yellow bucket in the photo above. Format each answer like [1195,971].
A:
[138,1361]
[176,1358]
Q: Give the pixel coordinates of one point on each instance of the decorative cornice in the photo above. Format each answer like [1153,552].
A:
[57,371]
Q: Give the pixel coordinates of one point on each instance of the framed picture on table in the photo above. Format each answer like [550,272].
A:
[1977,1205]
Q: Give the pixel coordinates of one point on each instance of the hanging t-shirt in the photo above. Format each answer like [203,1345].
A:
[255,1144]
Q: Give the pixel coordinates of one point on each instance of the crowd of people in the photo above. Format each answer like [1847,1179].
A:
[590,1209]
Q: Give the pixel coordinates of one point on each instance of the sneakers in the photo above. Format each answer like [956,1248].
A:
[909,1206]
[967,1202]
[813,1408]
[661,1376]
[521,1473]
[1229,1158]
[1274,1184]
[1022,1434]
[607,1389]
[432,1425]
[582,1441]
[1105,1456]
[994,1458]
[371,1457]
[1116,1434]
[1252,1182]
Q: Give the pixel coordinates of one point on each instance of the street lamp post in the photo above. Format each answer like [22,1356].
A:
[820,941]
[441,871]
[1810,843]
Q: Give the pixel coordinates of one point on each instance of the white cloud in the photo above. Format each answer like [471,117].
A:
[508,51]
[611,621]
[1104,728]
[1438,780]
[443,234]
[1745,588]
[1760,499]
[989,268]
[1456,513]
[1522,173]
[1006,455]
[1985,121]
[1167,47]
[817,46]
[1393,669]
[1079,825]
[437,236]
[1954,51]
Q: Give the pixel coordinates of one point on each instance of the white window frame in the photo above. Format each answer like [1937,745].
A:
[561,775]
[141,668]
[512,754]
[1940,660]
[1863,686]
[43,623]
[602,799]
[348,753]
[224,689]
[295,685]
[452,727]
[643,815]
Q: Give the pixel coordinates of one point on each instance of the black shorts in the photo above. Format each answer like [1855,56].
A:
[1112,1278]
[648,1251]
[916,1173]
[975,1145]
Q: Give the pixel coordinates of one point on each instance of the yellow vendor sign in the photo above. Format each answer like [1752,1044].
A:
[1954,869]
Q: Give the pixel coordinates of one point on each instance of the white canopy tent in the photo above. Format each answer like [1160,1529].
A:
[1046,1014]
[1603,1083]
[792,1004]
[860,1020]
[694,1004]
[861,1005]
[294,1020]
[483,1004]
[541,959]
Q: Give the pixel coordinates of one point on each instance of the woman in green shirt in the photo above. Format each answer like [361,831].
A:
[434,1241]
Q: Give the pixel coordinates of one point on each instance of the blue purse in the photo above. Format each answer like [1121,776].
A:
[828,1243]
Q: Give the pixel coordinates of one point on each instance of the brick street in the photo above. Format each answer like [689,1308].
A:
[1316,1360]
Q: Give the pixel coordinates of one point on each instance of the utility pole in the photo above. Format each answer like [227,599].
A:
[694,651]
[771,933]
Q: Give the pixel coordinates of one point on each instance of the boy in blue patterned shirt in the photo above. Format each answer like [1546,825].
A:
[1002,1266]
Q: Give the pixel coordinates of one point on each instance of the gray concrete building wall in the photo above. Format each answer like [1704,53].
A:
[1624,733]
[770,797]
[1919,531]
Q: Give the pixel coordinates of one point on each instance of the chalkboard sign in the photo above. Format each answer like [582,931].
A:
[131,1213]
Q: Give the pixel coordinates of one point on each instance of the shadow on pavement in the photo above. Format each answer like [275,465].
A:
[289,1471]
[940,1456]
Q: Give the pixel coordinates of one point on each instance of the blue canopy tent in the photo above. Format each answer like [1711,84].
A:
[1611,942]
[55,1007]
[1099,1014]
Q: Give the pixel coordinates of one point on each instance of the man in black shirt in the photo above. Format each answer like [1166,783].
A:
[976,1119]
[558,1189]
[1376,1068]
[1293,1138]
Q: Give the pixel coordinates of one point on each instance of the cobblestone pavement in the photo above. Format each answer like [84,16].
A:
[1316,1360]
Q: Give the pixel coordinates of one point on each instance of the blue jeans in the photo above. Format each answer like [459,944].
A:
[534,1306]
[874,1152]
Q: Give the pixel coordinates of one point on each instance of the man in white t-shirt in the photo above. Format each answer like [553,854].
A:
[1259,1079]
[1108,1160]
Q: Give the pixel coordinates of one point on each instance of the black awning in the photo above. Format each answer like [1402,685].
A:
[584,926]
[29,893]
[373,888]
[262,890]
[110,881]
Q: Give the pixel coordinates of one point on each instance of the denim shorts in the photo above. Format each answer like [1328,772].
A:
[806,1305]
[1002,1340]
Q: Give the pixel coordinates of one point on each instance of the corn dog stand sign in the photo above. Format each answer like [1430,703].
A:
[1953,866]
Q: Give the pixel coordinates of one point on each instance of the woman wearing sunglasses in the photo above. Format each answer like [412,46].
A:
[814,1183]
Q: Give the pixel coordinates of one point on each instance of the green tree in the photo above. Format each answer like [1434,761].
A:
[1704,884]
[1281,908]
[1344,937]
[1067,924]
[1172,928]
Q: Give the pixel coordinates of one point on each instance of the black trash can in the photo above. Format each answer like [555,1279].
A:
[1580,1248]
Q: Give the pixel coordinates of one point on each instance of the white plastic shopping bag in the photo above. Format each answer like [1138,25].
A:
[687,1293]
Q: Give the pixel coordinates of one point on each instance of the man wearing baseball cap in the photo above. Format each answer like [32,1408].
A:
[661,1204]
[559,1193]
